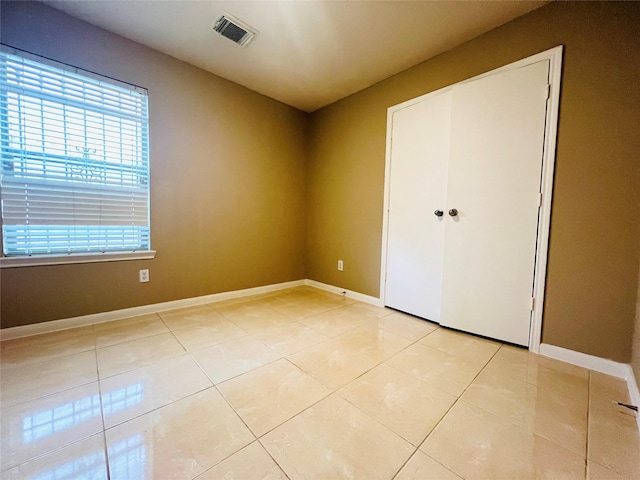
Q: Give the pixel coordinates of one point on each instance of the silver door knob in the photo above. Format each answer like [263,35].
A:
[438,213]
[453,212]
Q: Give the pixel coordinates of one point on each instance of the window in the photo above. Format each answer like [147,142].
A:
[75,161]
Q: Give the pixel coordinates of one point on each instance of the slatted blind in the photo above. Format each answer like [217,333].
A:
[75,161]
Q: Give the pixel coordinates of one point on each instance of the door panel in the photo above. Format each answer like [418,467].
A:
[418,173]
[495,163]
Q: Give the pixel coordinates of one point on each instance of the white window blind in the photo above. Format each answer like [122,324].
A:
[75,161]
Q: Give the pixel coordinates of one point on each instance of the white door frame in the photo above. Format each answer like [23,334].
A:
[554,56]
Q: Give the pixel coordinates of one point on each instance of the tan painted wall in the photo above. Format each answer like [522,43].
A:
[593,259]
[227,181]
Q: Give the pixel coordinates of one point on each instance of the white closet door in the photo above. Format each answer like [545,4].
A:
[419,156]
[497,135]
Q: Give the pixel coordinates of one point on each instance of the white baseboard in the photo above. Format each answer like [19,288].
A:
[591,362]
[634,393]
[602,365]
[349,293]
[84,320]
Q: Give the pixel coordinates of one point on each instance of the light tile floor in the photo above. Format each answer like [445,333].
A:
[302,384]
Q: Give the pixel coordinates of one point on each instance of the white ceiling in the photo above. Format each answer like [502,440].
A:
[308,54]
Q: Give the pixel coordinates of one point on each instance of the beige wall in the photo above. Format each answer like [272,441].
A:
[227,181]
[593,259]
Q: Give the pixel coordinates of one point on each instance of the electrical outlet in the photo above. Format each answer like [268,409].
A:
[340,265]
[144,275]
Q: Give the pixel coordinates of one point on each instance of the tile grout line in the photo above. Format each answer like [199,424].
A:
[49,452]
[335,392]
[58,448]
[156,409]
[102,416]
[458,399]
[272,458]
[417,448]
[306,408]
[532,432]
[12,366]
[368,370]
[151,365]
[214,386]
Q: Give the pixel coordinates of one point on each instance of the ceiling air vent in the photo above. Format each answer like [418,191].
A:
[230,27]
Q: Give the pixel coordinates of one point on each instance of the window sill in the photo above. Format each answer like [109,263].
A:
[40,260]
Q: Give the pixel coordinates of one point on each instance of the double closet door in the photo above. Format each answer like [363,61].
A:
[464,198]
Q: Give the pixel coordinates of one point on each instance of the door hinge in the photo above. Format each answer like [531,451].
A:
[540,199]
[548,91]
[533,303]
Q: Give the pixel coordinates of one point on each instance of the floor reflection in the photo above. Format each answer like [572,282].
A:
[88,467]
[62,417]
[47,422]
[127,458]
[122,398]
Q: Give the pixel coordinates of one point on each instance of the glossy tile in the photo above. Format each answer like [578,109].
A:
[560,377]
[373,341]
[219,331]
[288,298]
[399,401]
[301,310]
[604,390]
[547,373]
[28,381]
[43,347]
[614,441]
[333,362]
[598,472]
[248,309]
[412,328]
[334,439]
[340,320]
[553,416]
[34,428]
[422,467]
[373,311]
[196,316]
[303,293]
[83,460]
[268,396]
[290,338]
[513,362]
[476,444]
[231,301]
[175,441]
[449,373]
[252,462]
[230,359]
[128,329]
[134,393]
[137,353]
[254,318]
[462,345]
[303,296]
